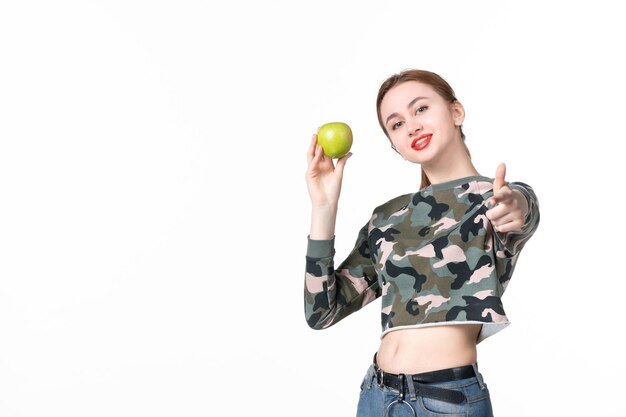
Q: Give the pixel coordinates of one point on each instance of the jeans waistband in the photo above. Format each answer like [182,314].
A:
[418,384]
[440,375]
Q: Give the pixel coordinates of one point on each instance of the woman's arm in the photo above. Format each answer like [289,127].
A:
[331,295]
[323,180]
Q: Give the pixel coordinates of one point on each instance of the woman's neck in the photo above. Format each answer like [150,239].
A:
[458,165]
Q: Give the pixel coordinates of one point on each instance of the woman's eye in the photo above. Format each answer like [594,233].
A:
[421,109]
[396,125]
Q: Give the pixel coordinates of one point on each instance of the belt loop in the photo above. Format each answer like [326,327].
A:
[377,372]
[371,374]
[479,377]
[411,383]
[401,389]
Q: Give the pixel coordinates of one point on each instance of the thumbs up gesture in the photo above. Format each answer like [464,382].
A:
[508,207]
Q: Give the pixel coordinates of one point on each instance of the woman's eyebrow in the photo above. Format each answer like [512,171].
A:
[408,106]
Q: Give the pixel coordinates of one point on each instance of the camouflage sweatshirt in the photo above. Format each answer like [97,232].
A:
[432,256]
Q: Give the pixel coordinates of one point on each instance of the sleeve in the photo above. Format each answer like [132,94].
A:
[513,242]
[331,295]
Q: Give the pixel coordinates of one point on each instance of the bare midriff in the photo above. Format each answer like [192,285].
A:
[412,351]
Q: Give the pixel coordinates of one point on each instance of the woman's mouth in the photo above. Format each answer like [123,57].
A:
[421,142]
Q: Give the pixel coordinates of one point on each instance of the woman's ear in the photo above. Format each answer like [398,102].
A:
[458,112]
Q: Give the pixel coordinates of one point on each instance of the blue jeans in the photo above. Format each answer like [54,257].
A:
[375,400]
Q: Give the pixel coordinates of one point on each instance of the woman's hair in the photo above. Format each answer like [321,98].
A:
[440,85]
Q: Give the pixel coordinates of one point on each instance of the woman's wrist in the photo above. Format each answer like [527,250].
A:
[323,222]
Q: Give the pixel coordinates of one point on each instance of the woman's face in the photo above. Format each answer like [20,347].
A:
[420,123]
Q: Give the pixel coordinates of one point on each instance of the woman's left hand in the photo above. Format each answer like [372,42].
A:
[509,207]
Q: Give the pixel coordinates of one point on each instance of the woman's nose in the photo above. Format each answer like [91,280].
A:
[414,127]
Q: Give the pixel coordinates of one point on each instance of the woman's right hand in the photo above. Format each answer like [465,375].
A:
[324,178]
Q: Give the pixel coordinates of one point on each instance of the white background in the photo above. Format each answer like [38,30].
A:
[153,209]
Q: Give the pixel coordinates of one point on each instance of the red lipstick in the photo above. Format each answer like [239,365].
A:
[421,142]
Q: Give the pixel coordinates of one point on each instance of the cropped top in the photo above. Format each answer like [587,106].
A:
[432,256]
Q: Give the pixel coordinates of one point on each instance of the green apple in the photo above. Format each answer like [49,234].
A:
[335,139]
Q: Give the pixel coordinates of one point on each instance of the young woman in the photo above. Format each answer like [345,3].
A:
[440,258]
